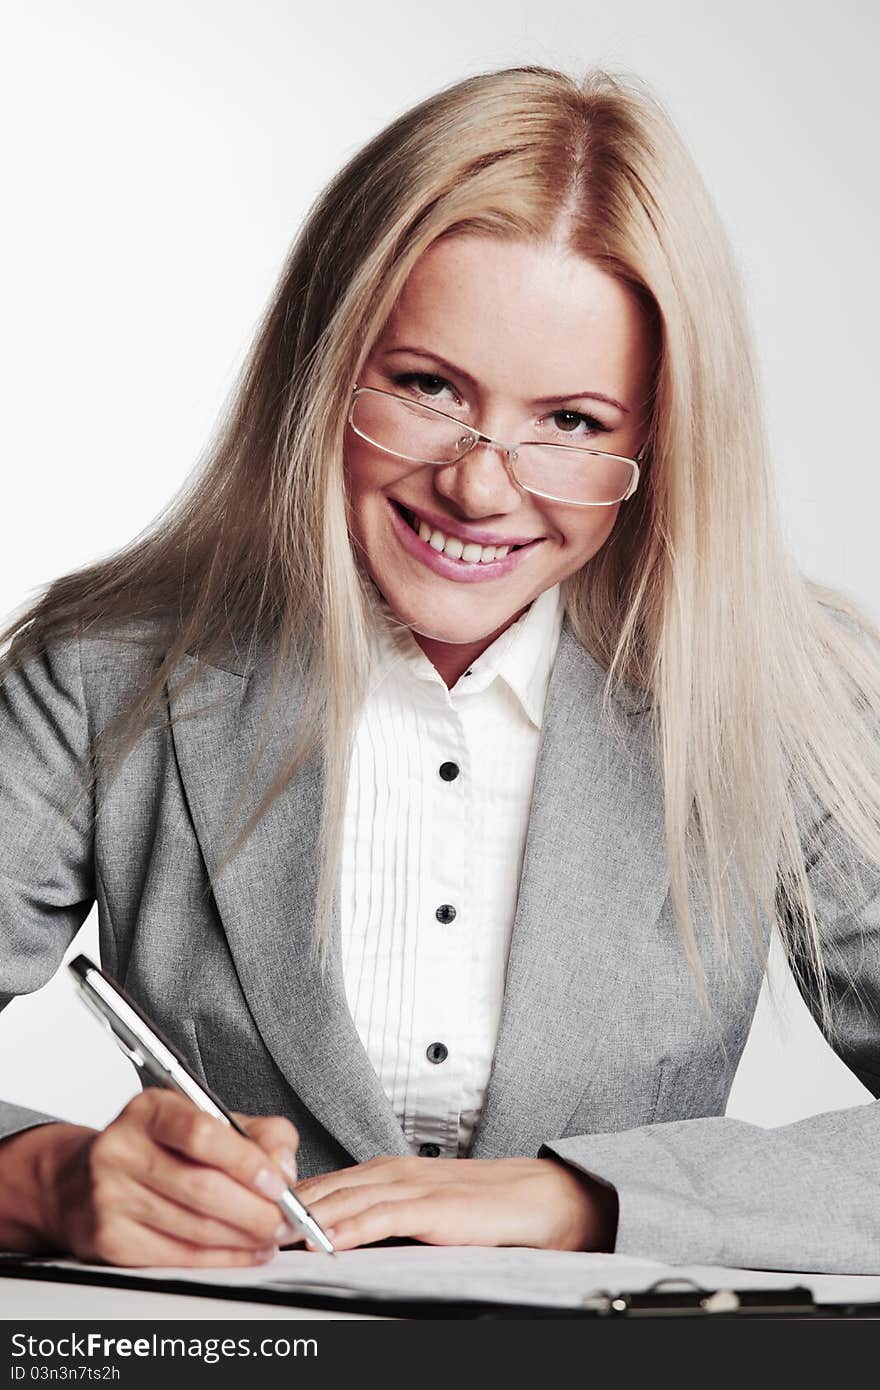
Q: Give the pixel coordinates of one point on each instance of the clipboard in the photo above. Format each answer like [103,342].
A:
[667,1298]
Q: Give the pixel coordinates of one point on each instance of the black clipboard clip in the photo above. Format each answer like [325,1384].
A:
[675,1296]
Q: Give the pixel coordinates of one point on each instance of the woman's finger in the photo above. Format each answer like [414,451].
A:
[133,1147]
[347,1202]
[130,1244]
[207,1191]
[163,1214]
[276,1136]
[420,1218]
[377,1170]
[176,1123]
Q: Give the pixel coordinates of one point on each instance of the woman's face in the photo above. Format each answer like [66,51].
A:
[516,339]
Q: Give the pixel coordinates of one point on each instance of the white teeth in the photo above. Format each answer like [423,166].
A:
[470,552]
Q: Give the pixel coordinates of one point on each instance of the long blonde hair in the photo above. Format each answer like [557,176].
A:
[763,687]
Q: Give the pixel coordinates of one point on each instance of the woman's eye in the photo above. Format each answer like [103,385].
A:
[422,383]
[566,424]
[568,421]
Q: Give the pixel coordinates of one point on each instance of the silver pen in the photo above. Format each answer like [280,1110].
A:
[144,1045]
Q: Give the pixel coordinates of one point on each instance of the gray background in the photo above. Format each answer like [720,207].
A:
[162,159]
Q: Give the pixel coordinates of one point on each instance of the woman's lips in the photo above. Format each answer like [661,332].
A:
[458,570]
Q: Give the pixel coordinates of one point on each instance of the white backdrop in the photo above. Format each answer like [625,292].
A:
[161,160]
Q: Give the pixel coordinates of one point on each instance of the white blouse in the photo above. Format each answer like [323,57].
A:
[433,838]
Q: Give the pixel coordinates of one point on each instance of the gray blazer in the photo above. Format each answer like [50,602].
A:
[603,1056]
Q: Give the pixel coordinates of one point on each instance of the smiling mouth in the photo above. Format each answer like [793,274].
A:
[414,521]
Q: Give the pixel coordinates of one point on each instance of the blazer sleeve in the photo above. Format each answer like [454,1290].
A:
[802,1196]
[46,828]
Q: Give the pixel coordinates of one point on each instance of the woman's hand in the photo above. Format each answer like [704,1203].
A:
[539,1202]
[163,1184]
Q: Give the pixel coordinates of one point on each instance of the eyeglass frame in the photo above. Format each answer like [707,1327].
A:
[509,449]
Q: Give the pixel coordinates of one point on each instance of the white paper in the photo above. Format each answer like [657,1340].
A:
[496,1274]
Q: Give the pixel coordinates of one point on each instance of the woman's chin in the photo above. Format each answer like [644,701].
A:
[464,621]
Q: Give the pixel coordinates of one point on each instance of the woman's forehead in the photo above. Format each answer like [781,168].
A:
[521,316]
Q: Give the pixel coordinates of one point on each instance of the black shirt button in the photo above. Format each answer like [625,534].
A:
[449,771]
[445,913]
[437,1052]
[429,1150]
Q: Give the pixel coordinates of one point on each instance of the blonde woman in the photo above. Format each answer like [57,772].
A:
[442,761]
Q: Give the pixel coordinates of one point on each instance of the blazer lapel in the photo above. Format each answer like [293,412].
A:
[594,878]
[266,900]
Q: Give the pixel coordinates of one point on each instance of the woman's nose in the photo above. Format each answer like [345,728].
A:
[480,483]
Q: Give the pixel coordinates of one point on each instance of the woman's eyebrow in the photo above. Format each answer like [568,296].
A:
[539,400]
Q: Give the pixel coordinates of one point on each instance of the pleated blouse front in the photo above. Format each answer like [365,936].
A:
[433,838]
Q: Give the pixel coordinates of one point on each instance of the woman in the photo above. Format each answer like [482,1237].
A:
[443,760]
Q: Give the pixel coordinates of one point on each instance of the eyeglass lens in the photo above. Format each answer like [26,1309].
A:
[412,431]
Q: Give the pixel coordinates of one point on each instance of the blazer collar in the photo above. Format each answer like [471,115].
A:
[594,787]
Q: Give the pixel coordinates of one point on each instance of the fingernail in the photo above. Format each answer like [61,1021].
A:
[267,1253]
[270,1183]
[286,1159]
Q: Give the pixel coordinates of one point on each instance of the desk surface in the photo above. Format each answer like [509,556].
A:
[33,1299]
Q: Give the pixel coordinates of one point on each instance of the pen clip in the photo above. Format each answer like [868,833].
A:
[131,1053]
